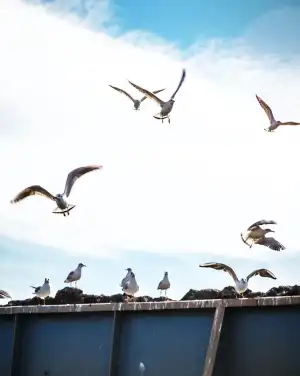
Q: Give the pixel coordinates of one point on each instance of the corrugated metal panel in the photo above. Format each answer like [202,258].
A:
[63,345]
[6,344]
[257,341]
[168,343]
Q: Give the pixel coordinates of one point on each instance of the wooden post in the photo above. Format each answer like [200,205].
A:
[214,340]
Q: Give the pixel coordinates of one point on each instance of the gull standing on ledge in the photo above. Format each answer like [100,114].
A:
[136,102]
[273,122]
[166,107]
[241,285]
[4,295]
[130,286]
[75,275]
[125,279]
[164,284]
[257,236]
[62,206]
[43,291]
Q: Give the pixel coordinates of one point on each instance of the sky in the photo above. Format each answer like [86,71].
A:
[169,196]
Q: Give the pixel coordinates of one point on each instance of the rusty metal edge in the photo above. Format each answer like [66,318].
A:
[152,306]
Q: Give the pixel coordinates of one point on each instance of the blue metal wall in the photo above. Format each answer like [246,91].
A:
[259,341]
[6,344]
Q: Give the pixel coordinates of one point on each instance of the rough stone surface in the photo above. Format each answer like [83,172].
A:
[70,295]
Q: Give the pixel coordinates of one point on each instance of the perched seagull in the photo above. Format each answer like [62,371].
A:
[273,122]
[164,284]
[257,236]
[241,285]
[75,275]
[136,102]
[166,107]
[4,295]
[125,279]
[130,286]
[42,291]
[62,206]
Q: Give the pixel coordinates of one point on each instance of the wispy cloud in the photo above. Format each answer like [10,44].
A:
[188,187]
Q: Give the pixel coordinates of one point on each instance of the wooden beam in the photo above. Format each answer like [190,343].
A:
[214,340]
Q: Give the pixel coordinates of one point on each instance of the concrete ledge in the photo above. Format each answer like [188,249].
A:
[153,306]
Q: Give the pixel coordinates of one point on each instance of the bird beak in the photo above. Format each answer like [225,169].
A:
[84,266]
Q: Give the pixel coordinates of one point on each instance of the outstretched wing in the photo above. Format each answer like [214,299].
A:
[4,295]
[180,83]
[262,273]
[289,123]
[123,92]
[266,108]
[219,266]
[271,243]
[244,241]
[262,222]
[154,92]
[36,289]
[76,174]
[31,191]
[147,93]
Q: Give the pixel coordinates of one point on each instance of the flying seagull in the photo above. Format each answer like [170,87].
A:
[273,122]
[257,235]
[62,206]
[241,285]
[75,275]
[164,284]
[166,107]
[125,279]
[4,295]
[136,102]
[130,286]
[42,291]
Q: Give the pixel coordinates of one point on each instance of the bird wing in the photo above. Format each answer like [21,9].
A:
[244,239]
[262,273]
[154,92]
[76,174]
[36,289]
[31,191]
[219,266]
[70,275]
[4,294]
[270,242]
[147,93]
[266,108]
[123,92]
[289,123]
[159,285]
[180,83]
[262,222]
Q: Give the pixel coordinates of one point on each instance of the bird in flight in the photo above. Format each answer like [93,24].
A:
[273,122]
[62,206]
[136,102]
[241,285]
[166,107]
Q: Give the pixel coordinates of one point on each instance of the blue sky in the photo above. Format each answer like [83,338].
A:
[169,197]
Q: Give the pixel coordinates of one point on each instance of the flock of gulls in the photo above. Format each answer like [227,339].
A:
[255,234]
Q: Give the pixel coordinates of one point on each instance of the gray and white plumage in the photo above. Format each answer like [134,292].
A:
[136,102]
[241,285]
[125,279]
[257,235]
[44,290]
[164,284]
[4,295]
[130,286]
[63,206]
[273,122]
[166,107]
[75,275]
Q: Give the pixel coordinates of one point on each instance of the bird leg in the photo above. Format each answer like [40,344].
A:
[165,292]
[75,284]
[169,119]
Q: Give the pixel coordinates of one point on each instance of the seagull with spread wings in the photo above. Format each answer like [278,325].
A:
[166,107]
[273,122]
[62,206]
[43,291]
[4,295]
[257,235]
[241,285]
[136,102]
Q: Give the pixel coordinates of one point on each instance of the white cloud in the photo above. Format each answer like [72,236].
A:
[191,186]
